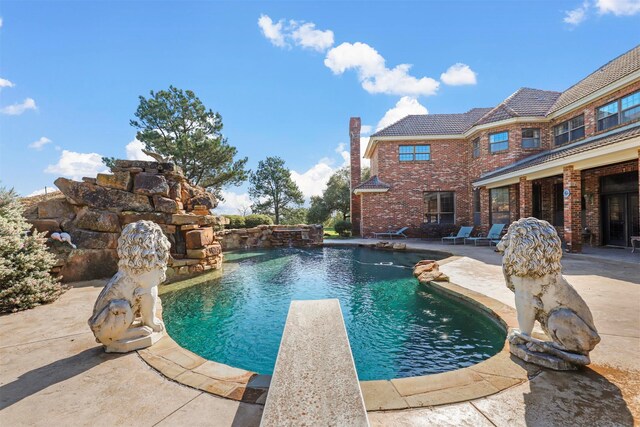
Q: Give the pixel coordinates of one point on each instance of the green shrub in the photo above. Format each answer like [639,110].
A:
[235,221]
[25,281]
[343,228]
[255,220]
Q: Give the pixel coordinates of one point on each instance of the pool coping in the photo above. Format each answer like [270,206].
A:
[493,375]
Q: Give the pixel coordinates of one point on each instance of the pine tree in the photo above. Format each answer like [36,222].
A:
[25,281]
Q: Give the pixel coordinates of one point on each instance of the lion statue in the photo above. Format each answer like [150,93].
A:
[124,315]
[531,265]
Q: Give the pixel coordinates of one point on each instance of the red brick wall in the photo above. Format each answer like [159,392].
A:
[589,111]
[355,205]
[403,204]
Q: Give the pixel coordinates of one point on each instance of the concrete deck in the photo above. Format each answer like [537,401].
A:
[53,373]
[314,381]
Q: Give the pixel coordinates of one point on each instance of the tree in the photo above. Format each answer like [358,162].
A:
[294,216]
[272,189]
[318,212]
[365,174]
[25,281]
[337,195]
[176,125]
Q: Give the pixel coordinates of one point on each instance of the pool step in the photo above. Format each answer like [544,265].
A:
[314,382]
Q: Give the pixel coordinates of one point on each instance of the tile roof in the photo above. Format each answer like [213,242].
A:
[525,102]
[587,144]
[433,124]
[616,69]
[373,183]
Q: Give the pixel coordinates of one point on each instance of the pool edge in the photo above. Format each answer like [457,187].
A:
[491,376]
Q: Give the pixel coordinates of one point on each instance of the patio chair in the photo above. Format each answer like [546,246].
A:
[399,233]
[492,236]
[463,233]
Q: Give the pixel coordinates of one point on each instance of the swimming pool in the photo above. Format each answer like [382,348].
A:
[397,328]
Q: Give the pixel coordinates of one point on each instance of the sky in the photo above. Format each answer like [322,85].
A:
[285,76]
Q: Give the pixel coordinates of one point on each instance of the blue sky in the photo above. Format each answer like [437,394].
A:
[286,76]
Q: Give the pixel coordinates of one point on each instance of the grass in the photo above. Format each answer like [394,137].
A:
[330,233]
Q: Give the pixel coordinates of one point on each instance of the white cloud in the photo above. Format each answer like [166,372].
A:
[374,76]
[76,165]
[366,129]
[618,7]
[576,16]
[134,151]
[314,180]
[343,150]
[5,83]
[307,36]
[234,203]
[458,74]
[364,141]
[404,107]
[1,22]
[299,33]
[272,31]
[37,145]
[19,108]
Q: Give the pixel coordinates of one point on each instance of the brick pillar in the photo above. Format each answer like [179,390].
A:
[355,207]
[484,210]
[526,197]
[514,200]
[572,181]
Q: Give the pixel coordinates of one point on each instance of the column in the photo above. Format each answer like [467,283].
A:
[572,193]
[526,197]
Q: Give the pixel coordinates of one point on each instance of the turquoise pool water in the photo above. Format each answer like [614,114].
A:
[397,327]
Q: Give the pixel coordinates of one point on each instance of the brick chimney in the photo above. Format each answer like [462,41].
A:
[356,208]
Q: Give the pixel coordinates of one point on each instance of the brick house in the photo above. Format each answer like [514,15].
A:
[570,158]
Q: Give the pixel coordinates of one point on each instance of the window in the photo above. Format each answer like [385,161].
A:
[410,153]
[476,148]
[498,141]
[530,138]
[439,207]
[619,111]
[476,207]
[569,131]
[499,199]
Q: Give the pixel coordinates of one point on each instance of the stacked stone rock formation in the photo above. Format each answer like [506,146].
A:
[428,270]
[94,211]
[268,236]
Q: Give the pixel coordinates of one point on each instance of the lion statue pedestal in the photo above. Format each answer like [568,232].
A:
[124,315]
[531,266]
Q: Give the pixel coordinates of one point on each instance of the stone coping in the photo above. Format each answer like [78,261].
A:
[488,377]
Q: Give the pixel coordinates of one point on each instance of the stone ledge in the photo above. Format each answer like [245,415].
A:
[491,376]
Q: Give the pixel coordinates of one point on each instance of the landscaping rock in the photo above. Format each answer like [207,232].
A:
[87,239]
[55,208]
[163,204]
[142,164]
[89,264]
[196,239]
[95,196]
[117,180]
[206,252]
[182,219]
[46,225]
[149,184]
[428,271]
[128,217]
[98,221]
[399,246]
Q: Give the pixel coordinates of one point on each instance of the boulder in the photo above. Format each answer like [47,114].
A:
[58,207]
[117,180]
[429,271]
[98,221]
[206,252]
[164,204]
[142,164]
[87,239]
[183,219]
[149,185]
[399,246]
[128,217]
[46,225]
[95,196]
[196,239]
[89,264]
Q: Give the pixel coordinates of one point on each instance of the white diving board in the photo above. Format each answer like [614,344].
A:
[314,382]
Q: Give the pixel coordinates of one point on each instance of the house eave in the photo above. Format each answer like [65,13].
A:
[370,190]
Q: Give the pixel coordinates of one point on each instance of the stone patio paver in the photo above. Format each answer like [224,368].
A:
[53,373]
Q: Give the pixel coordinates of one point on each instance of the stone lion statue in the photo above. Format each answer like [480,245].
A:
[531,266]
[124,315]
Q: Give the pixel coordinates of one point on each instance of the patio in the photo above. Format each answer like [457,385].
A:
[53,373]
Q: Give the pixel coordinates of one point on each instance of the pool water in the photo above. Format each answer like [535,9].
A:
[397,327]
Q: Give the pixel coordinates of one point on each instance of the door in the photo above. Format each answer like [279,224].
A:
[620,218]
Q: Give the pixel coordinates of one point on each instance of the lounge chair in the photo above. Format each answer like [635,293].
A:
[399,233]
[463,233]
[492,236]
